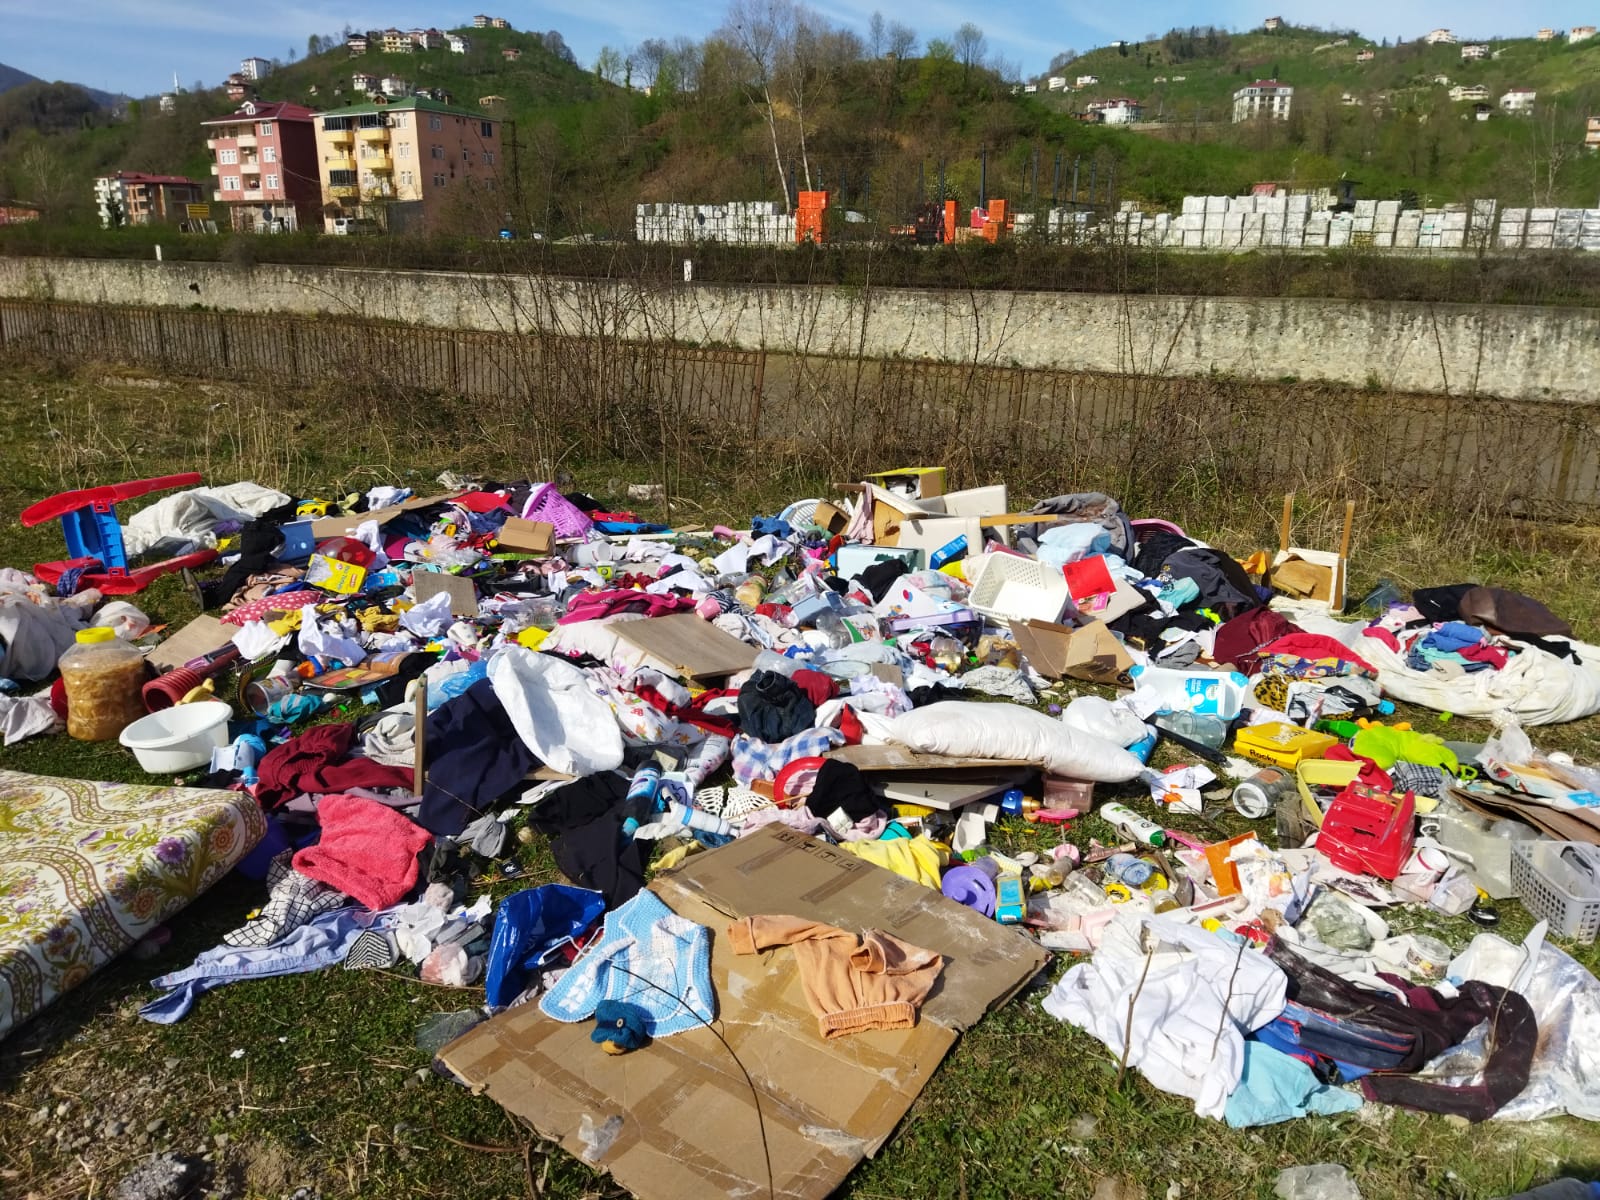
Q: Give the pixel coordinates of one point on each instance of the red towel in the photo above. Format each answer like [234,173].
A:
[366,850]
[316,762]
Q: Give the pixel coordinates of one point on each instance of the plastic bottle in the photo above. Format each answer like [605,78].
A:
[947,653]
[640,803]
[1209,693]
[1125,868]
[677,818]
[1211,732]
[103,677]
[770,660]
[1132,825]
[842,631]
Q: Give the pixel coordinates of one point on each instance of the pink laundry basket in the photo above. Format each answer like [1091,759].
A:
[548,505]
[1147,527]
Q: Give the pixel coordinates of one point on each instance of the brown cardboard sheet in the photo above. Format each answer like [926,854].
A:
[686,1124]
[327,527]
[528,537]
[463,593]
[686,645]
[200,636]
[872,759]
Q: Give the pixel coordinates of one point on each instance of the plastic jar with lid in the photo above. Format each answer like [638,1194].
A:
[103,676]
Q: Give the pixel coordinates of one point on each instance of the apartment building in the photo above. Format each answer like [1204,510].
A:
[1580,33]
[1518,100]
[457,43]
[1473,51]
[1440,37]
[256,69]
[402,164]
[264,157]
[1264,98]
[397,41]
[132,198]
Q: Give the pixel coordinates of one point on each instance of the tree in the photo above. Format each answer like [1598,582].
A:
[759,30]
[1062,61]
[557,45]
[902,41]
[315,45]
[969,46]
[877,34]
[608,65]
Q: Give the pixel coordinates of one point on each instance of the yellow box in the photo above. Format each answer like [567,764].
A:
[1280,744]
[333,575]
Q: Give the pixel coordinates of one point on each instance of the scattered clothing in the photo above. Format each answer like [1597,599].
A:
[317,761]
[583,820]
[319,943]
[366,850]
[773,709]
[852,984]
[916,859]
[475,760]
[1274,1087]
[294,899]
[647,956]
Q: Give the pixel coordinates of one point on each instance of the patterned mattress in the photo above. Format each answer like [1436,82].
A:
[87,869]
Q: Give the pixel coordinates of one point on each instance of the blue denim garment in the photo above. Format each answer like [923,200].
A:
[319,943]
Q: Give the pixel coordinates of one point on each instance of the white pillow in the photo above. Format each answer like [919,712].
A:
[967,729]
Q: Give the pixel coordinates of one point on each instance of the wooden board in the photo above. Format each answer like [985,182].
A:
[903,759]
[688,646]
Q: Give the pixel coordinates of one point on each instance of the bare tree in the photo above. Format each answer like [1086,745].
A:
[608,65]
[760,30]
[970,46]
[877,35]
[902,41]
[1549,149]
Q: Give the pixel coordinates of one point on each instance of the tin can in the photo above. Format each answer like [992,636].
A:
[261,694]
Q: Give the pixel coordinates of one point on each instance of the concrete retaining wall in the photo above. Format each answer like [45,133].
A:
[1500,351]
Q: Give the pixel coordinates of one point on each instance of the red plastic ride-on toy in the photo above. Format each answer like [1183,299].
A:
[94,537]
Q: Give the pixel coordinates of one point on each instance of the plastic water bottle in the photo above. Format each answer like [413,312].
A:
[640,802]
[1210,732]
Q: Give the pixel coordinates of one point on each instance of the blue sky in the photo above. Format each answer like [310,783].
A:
[135,46]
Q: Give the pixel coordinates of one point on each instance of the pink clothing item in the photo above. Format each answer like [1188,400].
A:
[591,606]
[256,610]
[366,851]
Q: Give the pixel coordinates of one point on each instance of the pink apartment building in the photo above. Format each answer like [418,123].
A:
[264,158]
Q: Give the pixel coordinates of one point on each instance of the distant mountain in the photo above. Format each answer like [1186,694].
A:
[10,78]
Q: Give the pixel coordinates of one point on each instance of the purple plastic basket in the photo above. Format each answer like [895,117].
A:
[550,506]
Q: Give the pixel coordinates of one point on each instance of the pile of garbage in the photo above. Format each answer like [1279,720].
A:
[411,685]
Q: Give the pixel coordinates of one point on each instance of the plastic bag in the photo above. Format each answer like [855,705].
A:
[555,712]
[1565,999]
[528,926]
[1101,718]
[1508,745]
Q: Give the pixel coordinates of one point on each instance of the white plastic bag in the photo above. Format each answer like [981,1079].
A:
[555,712]
[1098,717]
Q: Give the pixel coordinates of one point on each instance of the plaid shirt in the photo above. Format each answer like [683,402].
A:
[755,759]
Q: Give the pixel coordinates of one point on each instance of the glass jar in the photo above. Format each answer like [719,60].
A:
[103,677]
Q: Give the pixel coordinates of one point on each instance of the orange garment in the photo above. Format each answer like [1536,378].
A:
[852,983]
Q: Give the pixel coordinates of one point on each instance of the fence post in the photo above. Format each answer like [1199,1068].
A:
[756,390]
[222,343]
[161,338]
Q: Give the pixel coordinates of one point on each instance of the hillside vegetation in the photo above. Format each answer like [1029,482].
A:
[781,99]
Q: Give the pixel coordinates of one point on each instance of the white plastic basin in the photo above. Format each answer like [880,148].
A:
[179,738]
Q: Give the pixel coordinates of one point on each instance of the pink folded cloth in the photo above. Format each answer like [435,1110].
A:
[366,850]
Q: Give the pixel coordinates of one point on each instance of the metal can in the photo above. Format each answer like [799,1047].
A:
[1257,796]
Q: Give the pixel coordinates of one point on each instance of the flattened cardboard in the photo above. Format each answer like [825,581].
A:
[1091,652]
[327,527]
[685,645]
[527,537]
[200,636]
[688,1125]
[463,593]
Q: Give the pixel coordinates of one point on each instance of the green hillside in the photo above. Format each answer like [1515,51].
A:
[881,130]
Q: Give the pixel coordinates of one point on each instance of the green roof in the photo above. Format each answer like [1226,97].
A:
[418,103]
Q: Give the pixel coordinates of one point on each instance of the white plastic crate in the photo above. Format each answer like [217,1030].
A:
[1553,887]
[1011,588]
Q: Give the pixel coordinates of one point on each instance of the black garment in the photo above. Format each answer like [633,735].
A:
[1429,1026]
[259,542]
[475,759]
[1224,587]
[1441,603]
[842,785]
[584,823]
[923,696]
[880,577]
[773,709]
[1155,550]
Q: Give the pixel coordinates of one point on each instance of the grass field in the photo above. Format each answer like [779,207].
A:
[315,1081]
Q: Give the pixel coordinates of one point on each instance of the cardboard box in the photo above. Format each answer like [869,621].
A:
[687,1124]
[1091,653]
[327,527]
[463,593]
[529,537]
[199,637]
